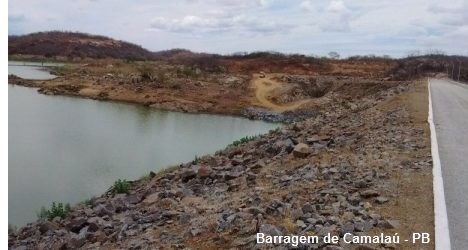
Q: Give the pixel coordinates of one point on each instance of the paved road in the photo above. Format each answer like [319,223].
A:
[450,108]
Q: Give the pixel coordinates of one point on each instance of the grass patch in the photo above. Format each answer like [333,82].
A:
[121,187]
[88,202]
[168,169]
[196,159]
[57,209]
[288,224]
[243,140]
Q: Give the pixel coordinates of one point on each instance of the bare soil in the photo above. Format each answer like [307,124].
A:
[414,203]
[268,88]
[175,87]
[367,134]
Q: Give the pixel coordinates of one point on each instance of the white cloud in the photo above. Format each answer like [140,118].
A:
[224,26]
[235,4]
[329,16]
[264,3]
[453,15]
[218,23]
[307,5]
[337,6]
[451,41]
[189,24]
[337,17]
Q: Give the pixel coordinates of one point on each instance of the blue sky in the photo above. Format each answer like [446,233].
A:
[225,26]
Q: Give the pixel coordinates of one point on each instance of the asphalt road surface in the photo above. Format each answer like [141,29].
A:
[450,109]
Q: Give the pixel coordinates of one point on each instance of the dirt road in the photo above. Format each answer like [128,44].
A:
[264,88]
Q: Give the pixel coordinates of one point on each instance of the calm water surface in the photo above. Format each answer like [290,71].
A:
[69,149]
[30,70]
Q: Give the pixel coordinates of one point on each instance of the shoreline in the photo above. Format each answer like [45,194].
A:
[244,115]
[349,156]
[249,112]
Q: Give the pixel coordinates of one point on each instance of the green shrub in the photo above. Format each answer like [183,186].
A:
[243,140]
[88,202]
[121,186]
[57,209]
[196,160]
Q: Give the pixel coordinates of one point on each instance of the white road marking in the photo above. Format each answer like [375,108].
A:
[442,235]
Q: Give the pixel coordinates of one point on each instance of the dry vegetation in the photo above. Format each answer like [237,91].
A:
[364,132]
[71,45]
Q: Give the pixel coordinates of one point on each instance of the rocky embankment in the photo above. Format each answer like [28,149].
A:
[334,174]
[270,116]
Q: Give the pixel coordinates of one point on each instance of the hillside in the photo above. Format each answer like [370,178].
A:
[74,45]
[78,46]
[360,165]
[355,158]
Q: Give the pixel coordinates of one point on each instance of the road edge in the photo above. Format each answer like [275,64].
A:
[442,235]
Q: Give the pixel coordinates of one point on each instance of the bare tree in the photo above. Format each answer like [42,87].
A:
[334,55]
[413,53]
[435,52]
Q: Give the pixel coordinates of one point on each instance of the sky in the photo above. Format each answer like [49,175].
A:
[311,27]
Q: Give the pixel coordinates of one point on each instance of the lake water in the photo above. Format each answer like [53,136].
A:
[69,149]
[30,70]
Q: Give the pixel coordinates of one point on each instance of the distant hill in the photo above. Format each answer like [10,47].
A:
[81,45]
[175,54]
[73,44]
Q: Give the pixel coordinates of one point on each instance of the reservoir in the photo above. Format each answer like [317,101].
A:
[69,149]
